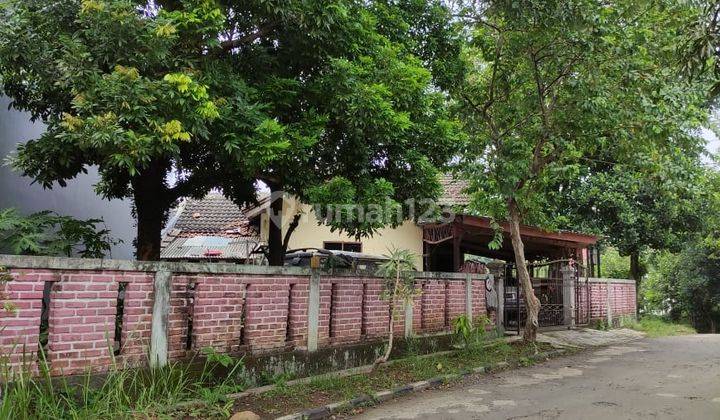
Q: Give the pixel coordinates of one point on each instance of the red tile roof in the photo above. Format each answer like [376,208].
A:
[213,214]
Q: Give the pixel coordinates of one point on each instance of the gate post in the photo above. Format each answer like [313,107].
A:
[500,313]
[568,286]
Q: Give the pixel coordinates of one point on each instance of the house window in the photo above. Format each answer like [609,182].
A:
[343,246]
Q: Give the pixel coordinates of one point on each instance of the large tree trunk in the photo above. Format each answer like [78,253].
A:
[151,207]
[635,268]
[276,253]
[531,302]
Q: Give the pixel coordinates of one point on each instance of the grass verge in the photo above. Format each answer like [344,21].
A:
[658,327]
[286,399]
[28,393]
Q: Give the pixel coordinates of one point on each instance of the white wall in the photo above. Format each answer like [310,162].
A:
[309,234]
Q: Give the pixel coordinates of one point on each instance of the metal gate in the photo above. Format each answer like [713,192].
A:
[547,282]
[582,295]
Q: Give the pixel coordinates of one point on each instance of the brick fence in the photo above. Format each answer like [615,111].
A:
[611,299]
[87,314]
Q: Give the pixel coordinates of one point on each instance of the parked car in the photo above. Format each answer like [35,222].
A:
[334,259]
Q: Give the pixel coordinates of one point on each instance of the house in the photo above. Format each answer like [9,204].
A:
[437,246]
[209,229]
[215,229]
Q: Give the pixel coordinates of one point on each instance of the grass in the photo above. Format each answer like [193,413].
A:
[327,389]
[658,327]
[119,394]
[157,393]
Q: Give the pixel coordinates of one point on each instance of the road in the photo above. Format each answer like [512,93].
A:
[662,378]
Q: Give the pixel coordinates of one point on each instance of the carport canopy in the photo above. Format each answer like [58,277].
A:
[445,244]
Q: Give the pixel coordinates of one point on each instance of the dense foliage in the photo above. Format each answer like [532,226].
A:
[686,284]
[614,265]
[583,100]
[302,95]
[46,233]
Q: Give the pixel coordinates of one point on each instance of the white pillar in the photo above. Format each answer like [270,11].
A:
[568,285]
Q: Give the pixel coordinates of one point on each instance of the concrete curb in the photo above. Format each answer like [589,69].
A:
[386,395]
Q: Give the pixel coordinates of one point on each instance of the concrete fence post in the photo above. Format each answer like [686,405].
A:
[608,302]
[313,312]
[161,311]
[468,297]
[408,318]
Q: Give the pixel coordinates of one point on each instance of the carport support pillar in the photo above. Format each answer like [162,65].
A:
[568,281]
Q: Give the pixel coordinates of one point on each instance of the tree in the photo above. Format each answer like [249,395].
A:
[650,195]
[131,88]
[642,201]
[384,125]
[552,85]
[225,93]
[701,55]
[686,285]
[399,286]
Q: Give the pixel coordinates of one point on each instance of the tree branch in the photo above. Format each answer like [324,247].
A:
[249,38]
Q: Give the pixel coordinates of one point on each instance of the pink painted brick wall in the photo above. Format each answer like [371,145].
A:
[622,299]
[217,312]
[137,318]
[19,329]
[82,322]
[433,306]
[229,312]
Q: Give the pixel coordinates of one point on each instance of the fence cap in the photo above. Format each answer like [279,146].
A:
[611,280]
[97,264]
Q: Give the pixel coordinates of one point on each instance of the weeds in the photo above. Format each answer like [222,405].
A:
[470,332]
[600,324]
[119,394]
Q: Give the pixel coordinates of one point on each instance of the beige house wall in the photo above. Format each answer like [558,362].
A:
[310,234]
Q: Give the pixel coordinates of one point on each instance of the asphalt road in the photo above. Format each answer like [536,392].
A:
[663,378]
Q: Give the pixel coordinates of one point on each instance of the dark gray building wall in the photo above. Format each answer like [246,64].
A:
[78,199]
